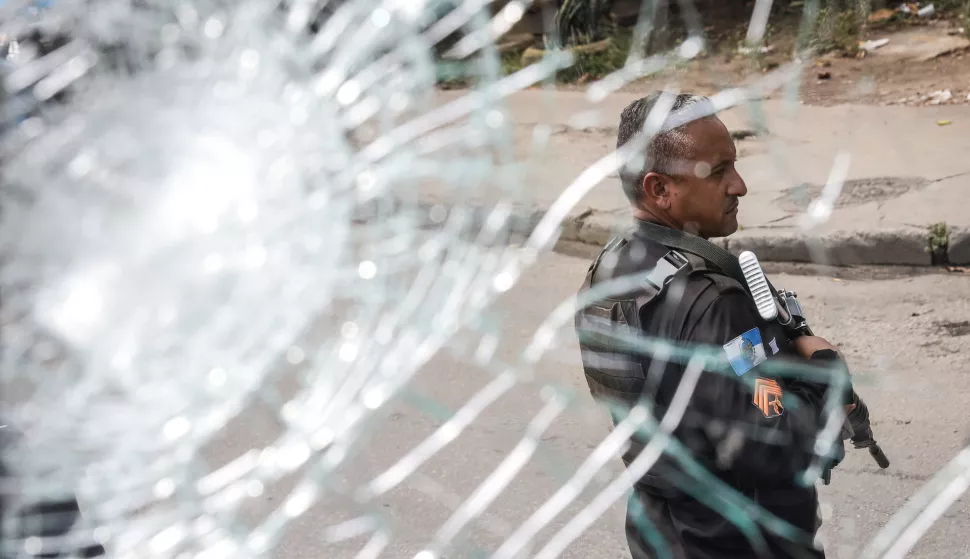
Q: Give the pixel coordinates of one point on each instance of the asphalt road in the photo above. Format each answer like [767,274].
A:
[907,340]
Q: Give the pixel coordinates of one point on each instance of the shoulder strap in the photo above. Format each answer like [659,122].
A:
[666,268]
[693,244]
[708,251]
[616,243]
[612,244]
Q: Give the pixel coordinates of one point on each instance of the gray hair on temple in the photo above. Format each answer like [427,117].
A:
[668,145]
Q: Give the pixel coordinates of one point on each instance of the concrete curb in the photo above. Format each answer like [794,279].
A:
[908,247]
[900,246]
[958,249]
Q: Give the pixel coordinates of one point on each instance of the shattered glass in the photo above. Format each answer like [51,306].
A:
[221,271]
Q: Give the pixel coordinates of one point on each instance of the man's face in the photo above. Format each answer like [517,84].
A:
[704,191]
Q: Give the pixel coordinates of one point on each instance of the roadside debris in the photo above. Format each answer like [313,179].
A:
[873,45]
[760,50]
[919,43]
[882,15]
[938,97]
[914,8]
[942,97]
[944,122]
[824,75]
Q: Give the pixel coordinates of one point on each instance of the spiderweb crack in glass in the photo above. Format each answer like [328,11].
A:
[213,231]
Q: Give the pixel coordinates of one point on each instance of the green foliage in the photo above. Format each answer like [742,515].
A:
[839,26]
[939,237]
[594,65]
[459,74]
[952,5]
[512,61]
[580,22]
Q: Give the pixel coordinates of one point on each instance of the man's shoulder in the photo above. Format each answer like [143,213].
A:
[629,255]
[705,293]
[626,257]
[704,278]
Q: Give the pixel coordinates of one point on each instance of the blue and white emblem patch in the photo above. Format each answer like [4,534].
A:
[745,352]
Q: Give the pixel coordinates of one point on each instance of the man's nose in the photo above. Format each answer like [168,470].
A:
[737,187]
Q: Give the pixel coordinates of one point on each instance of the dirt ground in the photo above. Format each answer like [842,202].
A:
[871,81]
[919,59]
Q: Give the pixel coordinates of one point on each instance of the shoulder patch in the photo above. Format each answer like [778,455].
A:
[767,397]
[746,351]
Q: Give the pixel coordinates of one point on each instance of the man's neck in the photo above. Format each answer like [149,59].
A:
[666,221]
[647,215]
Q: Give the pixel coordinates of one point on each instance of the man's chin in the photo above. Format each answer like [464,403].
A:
[729,227]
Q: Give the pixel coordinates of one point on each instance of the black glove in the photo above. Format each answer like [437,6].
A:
[861,435]
[833,358]
[858,420]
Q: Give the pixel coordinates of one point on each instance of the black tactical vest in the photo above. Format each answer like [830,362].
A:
[606,324]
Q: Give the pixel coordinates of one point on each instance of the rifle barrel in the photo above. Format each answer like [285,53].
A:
[879,456]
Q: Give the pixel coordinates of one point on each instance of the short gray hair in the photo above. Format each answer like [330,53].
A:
[666,147]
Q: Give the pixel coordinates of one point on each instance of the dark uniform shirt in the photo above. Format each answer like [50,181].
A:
[753,430]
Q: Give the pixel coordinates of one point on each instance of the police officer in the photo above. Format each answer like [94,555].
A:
[754,430]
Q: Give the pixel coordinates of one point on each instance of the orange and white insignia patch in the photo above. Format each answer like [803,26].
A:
[767,396]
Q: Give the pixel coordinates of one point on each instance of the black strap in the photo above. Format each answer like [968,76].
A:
[672,238]
[612,244]
[722,259]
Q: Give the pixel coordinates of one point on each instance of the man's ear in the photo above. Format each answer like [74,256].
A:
[655,190]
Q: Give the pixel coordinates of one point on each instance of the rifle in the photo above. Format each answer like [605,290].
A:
[783,306]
